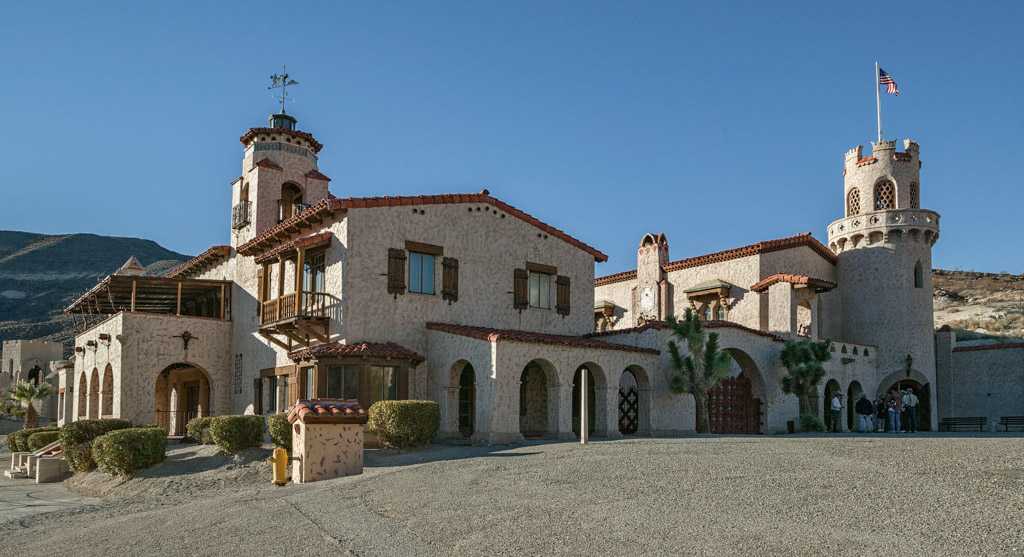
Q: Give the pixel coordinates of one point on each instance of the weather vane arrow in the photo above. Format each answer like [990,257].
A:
[281,81]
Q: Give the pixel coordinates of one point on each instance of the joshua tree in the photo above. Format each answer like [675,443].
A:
[803,359]
[26,392]
[701,369]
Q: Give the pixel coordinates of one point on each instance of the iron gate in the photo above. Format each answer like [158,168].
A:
[629,411]
[733,408]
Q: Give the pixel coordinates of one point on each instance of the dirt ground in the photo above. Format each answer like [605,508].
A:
[835,495]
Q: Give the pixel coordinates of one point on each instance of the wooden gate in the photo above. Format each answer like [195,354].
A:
[733,408]
[629,411]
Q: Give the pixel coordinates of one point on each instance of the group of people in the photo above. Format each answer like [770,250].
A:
[895,413]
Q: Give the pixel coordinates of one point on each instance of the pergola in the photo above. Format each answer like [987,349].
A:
[144,294]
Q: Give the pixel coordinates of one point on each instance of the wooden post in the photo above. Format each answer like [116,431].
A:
[222,302]
[280,283]
[299,262]
[134,281]
[584,421]
[178,312]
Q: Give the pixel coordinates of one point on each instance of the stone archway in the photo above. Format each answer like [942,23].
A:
[917,383]
[538,400]
[853,394]
[182,392]
[634,401]
[831,388]
[467,401]
[94,394]
[735,405]
[107,392]
[597,403]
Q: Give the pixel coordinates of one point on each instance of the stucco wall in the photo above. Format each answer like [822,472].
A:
[986,383]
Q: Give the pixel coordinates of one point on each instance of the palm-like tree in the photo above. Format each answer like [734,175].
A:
[703,367]
[803,359]
[26,392]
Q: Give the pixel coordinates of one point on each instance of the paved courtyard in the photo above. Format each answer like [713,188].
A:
[841,495]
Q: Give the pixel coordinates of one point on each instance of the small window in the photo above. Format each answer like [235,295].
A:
[343,382]
[421,273]
[708,313]
[720,313]
[381,384]
[540,290]
[918,275]
[853,202]
[885,196]
[313,269]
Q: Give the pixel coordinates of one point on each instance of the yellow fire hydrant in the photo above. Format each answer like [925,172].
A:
[279,461]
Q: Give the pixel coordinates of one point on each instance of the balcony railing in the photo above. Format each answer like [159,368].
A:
[312,305]
[287,210]
[241,215]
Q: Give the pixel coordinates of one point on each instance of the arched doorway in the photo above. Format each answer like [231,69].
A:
[629,403]
[94,394]
[182,392]
[83,394]
[538,400]
[467,400]
[924,401]
[596,403]
[831,388]
[107,392]
[734,405]
[853,394]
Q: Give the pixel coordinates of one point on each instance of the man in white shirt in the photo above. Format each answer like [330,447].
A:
[837,411]
[910,402]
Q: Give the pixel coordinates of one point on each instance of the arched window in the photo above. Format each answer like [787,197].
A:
[885,196]
[853,202]
[291,201]
[918,275]
[915,195]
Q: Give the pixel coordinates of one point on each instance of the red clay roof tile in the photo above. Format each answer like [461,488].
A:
[364,350]
[251,134]
[510,335]
[328,409]
[818,285]
[659,325]
[212,255]
[980,347]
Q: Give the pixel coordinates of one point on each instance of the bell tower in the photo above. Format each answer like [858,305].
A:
[884,247]
[651,294]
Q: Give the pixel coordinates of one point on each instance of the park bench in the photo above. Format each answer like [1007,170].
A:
[963,424]
[1006,422]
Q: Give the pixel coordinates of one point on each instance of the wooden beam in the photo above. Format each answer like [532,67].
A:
[299,262]
[178,312]
[309,327]
[134,286]
[271,338]
[222,302]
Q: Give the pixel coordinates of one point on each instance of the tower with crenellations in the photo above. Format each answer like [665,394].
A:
[884,248]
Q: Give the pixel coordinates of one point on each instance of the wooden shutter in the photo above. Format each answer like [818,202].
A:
[396,271]
[261,289]
[450,279]
[520,289]
[562,295]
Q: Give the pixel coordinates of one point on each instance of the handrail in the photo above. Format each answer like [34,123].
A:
[312,305]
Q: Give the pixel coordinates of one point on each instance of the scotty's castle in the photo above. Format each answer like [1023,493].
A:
[464,299]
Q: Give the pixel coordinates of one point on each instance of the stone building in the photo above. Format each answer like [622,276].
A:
[30,360]
[469,301]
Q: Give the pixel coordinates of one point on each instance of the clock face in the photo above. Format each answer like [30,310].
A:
[647,299]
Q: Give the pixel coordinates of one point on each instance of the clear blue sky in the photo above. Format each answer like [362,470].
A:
[718,124]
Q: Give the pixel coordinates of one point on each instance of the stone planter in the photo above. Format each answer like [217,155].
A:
[327,439]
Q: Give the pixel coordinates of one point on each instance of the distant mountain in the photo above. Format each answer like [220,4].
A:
[979,305]
[41,274]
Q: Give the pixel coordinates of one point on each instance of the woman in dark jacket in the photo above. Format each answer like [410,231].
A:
[864,410]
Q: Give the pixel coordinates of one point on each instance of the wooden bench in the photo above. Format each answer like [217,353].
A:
[963,424]
[1006,422]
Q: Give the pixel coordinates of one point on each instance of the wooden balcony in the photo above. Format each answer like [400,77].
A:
[298,318]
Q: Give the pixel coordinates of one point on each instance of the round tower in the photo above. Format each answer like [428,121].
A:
[884,245]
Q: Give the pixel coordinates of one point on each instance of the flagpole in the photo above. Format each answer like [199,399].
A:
[878,103]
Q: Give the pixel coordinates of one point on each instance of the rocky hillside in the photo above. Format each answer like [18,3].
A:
[42,274]
[979,304]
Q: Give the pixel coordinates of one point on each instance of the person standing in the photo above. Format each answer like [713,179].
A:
[895,406]
[864,410]
[837,411]
[880,414]
[910,402]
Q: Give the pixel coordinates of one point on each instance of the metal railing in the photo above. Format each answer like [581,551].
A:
[312,305]
[288,210]
[241,215]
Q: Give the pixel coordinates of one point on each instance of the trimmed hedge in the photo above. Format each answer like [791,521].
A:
[280,430]
[18,441]
[810,422]
[405,423]
[237,433]
[77,438]
[199,430]
[125,451]
[41,439]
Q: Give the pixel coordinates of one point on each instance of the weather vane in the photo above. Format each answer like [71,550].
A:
[281,81]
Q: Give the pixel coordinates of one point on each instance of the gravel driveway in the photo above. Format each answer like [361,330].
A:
[729,495]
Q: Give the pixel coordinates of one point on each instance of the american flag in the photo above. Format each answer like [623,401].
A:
[888,81]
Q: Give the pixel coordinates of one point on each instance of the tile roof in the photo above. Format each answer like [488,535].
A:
[366,350]
[708,285]
[766,246]
[979,347]
[211,256]
[326,208]
[818,285]
[510,335]
[251,134]
[660,325]
[287,248]
[328,410]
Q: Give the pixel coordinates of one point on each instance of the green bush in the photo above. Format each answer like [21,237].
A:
[236,433]
[405,423]
[280,430]
[77,438]
[810,422]
[41,439]
[125,451]
[199,430]
[18,441]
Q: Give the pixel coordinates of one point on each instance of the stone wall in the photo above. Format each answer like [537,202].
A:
[985,381]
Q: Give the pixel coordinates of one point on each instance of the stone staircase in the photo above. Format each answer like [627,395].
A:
[45,465]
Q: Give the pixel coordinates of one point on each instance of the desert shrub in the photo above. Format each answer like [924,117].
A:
[236,433]
[405,423]
[77,438]
[18,441]
[810,422]
[125,451]
[280,430]
[199,430]
[41,439]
